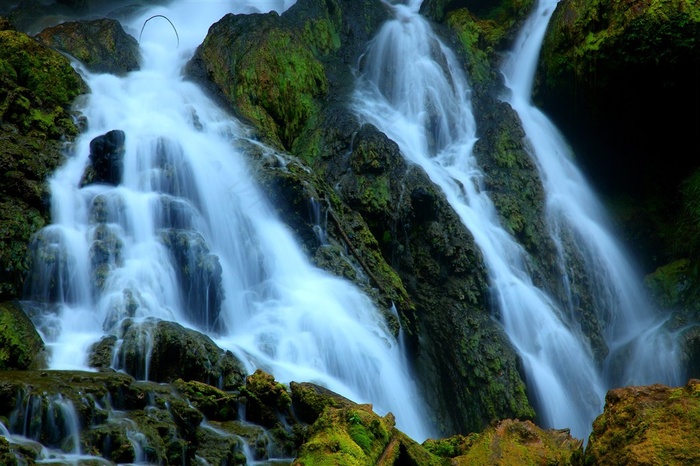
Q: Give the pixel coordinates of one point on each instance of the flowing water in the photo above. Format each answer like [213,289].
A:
[641,352]
[411,87]
[185,178]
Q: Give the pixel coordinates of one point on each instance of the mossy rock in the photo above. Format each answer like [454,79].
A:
[267,72]
[484,29]
[510,442]
[21,347]
[268,401]
[101,45]
[37,84]
[355,436]
[37,87]
[598,57]
[653,424]
[176,352]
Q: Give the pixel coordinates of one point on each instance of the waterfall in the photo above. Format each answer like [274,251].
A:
[185,199]
[411,87]
[640,350]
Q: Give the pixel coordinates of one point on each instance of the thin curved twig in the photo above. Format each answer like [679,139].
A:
[165,17]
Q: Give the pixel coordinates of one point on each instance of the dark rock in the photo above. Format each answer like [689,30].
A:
[106,159]
[170,351]
[101,45]
[597,59]
[199,276]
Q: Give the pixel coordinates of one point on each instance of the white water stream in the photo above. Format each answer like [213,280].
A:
[412,88]
[641,351]
[279,313]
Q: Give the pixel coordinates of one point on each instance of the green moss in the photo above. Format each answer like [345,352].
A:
[479,38]
[276,81]
[647,425]
[40,85]
[18,222]
[21,346]
[322,36]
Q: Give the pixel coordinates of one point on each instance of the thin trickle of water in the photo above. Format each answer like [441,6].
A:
[641,351]
[185,235]
[412,88]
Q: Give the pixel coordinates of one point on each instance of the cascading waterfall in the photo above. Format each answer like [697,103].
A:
[641,352]
[412,88]
[109,253]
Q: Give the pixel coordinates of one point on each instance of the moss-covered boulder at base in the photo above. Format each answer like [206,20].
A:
[654,424]
[356,436]
[101,45]
[21,347]
[510,442]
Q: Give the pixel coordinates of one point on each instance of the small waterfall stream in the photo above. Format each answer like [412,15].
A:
[411,87]
[641,352]
[186,197]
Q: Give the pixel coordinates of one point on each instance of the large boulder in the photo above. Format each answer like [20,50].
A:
[163,351]
[653,424]
[385,225]
[101,44]
[510,442]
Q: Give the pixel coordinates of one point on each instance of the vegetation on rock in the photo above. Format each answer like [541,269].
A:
[101,45]
[655,424]
[37,87]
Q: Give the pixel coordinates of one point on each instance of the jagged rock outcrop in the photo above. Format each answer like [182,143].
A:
[101,45]
[122,420]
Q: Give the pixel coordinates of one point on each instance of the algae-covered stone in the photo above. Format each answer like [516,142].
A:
[100,44]
[21,347]
[267,399]
[37,86]
[267,72]
[510,442]
[653,424]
